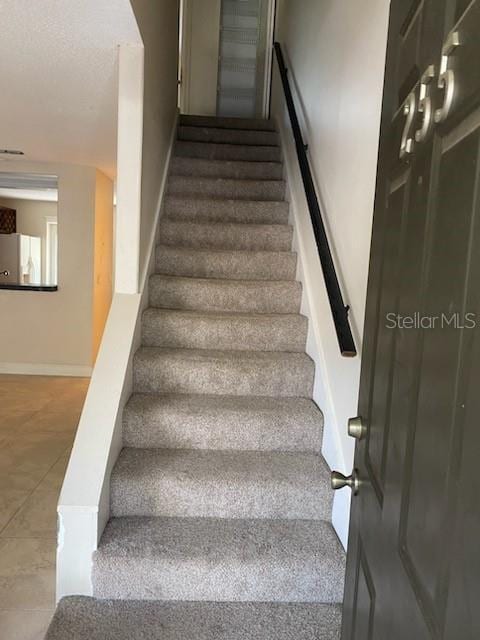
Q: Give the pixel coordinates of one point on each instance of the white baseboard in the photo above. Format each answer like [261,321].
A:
[149,266]
[34,369]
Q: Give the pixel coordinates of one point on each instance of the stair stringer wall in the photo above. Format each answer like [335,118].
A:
[336,378]
[84,504]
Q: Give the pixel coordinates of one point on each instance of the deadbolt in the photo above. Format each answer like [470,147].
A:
[357,428]
[339,481]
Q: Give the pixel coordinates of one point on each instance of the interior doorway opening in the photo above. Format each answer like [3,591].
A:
[225,57]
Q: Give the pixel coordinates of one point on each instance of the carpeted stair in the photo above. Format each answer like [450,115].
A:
[220,501]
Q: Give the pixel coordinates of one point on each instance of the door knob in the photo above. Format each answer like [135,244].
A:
[357,428]
[339,481]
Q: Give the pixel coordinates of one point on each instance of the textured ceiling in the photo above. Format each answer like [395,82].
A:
[58,73]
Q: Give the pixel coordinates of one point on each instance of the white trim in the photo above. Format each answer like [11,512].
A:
[83,509]
[148,268]
[185,26]
[50,221]
[269,57]
[31,369]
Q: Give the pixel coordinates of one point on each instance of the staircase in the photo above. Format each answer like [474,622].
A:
[220,500]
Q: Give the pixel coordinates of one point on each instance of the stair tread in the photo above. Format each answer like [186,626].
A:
[225,282]
[224,330]
[234,356]
[220,537]
[226,209]
[225,294]
[226,422]
[291,467]
[198,162]
[223,315]
[236,188]
[220,135]
[241,169]
[179,370]
[219,559]
[204,404]
[85,618]
[249,124]
[221,484]
[226,235]
[258,227]
[218,251]
[229,181]
[227,151]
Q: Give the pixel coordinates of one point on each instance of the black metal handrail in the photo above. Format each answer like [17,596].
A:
[339,310]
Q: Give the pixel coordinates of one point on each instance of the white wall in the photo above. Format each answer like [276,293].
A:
[103,258]
[158,24]
[335,52]
[52,332]
[200,56]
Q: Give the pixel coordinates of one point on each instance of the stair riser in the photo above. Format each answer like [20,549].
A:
[228,136]
[211,295]
[227,265]
[197,332]
[166,374]
[222,169]
[227,123]
[191,580]
[188,496]
[224,188]
[228,152]
[261,212]
[219,236]
[183,424]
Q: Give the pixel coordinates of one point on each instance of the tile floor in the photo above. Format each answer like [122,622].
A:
[38,420]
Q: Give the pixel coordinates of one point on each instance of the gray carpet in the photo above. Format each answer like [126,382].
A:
[89,619]
[249,423]
[220,522]
[226,264]
[219,559]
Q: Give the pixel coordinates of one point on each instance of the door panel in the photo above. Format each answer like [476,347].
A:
[413,557]
[243,42]
[409,49]
[377,437]
[424,525]
[200,50]
[364,599]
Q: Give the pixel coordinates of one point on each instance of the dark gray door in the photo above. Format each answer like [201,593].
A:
[413,570]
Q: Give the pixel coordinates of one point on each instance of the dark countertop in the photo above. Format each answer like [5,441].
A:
[29,287]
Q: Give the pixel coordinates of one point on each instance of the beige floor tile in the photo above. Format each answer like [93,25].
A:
[10,502]
[27,457]
[24,625]
[36,518]
[27,574]
[54,478]
[56,421]
[11,422]
[38,419]
[27,401]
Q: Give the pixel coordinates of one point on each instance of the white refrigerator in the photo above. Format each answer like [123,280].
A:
[20,259]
